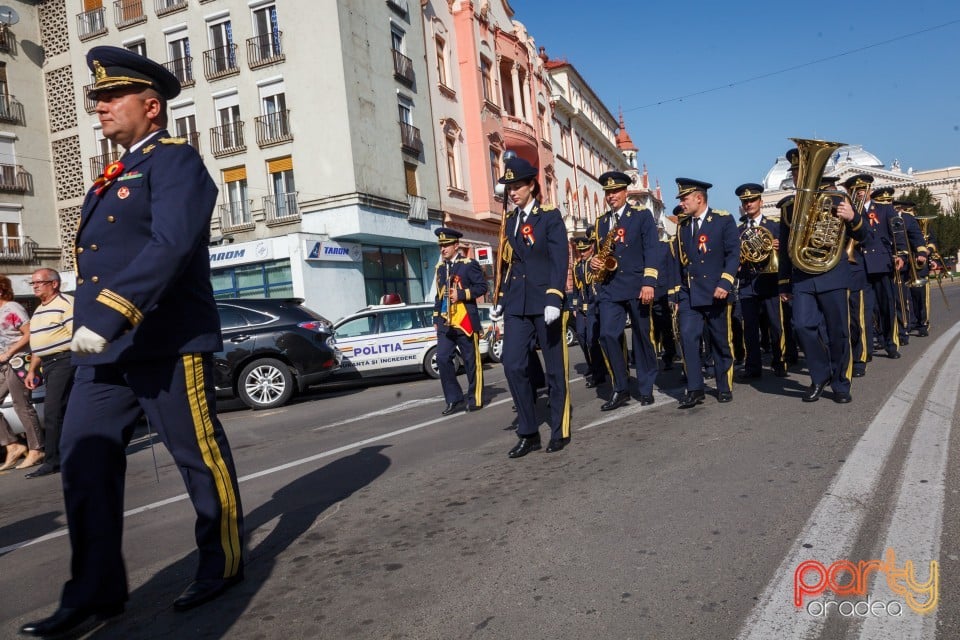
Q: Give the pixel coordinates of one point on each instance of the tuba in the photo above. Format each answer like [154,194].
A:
[817,236]
[756,247]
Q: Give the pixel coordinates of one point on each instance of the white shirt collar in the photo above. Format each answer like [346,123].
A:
[139,143]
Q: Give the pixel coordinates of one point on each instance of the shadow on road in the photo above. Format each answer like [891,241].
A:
[294,509]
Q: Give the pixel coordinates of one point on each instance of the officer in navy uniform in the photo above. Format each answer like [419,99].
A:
[917,250]
[460,281]
[821,309]
[880,260]
[919,295]
[536,257]
[627,290]
[707,256]
[758,288]
[587,321]
[146,328]
[861,318]
[660,310]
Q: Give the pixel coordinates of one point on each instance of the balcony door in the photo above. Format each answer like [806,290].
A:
[178,52]
[229,120]
[274,108]
[221,42]
[267,30]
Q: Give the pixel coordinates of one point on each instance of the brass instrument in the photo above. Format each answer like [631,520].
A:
[924,222]
[605,255]
[756,247]
[504,256]
[897,228]
[817,236]
[446,292]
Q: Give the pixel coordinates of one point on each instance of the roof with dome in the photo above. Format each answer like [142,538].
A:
[779,174]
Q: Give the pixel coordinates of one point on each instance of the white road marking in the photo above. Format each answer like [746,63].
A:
[409,404]
[832,527]
[917,521]
[659,399]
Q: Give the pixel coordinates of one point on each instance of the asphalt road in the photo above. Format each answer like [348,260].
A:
[369,515]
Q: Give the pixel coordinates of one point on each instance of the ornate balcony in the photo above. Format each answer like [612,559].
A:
[235,216]
[402,67]
[281,208]
[227,139]
[193,139]
[183,69]
[520,135]
[91,24]
[20,249]
[163,7]
[127,13]
[99,163]
[264,50]
[13,179]
[220,62]
[410,139]
[10,110]
[273,128]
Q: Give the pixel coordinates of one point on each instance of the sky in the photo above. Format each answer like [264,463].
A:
[714,90]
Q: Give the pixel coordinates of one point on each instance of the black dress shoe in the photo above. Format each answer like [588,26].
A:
[780,372]
[470,406]
[813,392]
[691,399]
[749,375]
[842,398]
[590,383]
[451,407]
[43,470]
[525,446]
[725,396]
[557,445]
[667,364]
[904,340]
[201,591]
[923,333]
[645,400]
[859,373]
[618,399]
[66,619]
[893,354]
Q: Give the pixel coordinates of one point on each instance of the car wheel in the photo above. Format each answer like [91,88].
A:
[571,337]
[265,384]
[496,350]
[430,364]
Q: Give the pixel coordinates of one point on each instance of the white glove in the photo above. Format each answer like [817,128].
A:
[496,312]
[86,341]
[550,314]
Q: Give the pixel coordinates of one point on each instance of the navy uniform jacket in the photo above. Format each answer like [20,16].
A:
[918,244]
[584,292]
[466,275]
[753,283]
[638,252]
[794,280]
[715,264]
[537,275]
[143,267]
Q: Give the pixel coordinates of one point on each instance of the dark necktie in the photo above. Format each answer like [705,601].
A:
[521,219]
[696,229]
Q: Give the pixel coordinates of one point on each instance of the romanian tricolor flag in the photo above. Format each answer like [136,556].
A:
[460,318]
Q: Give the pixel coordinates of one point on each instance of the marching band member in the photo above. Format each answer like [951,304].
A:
[531,299]
[708,253]
[758,288]
[587,321]
[630,240]
[460,281]
[821,309]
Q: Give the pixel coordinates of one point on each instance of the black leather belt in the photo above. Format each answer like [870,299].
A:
[54,357]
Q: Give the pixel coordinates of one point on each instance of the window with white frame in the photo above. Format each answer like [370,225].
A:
[223,54]
[11,237]
[266,31]
[237,206]
[139,47]
[273,110]
[227,109]
[178,56]
[442,62]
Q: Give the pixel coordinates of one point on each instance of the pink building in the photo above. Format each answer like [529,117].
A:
[490,93]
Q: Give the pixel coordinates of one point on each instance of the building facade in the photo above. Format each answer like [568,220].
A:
[313,117]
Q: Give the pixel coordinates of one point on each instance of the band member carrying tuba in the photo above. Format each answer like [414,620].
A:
[758,274]
[815,273]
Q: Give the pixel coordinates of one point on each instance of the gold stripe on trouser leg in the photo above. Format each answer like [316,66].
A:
[863,330]
[783,334]
[729,373]
[849,369]
[656,348]
[565,418]
[926,304]
[478,374]
[210,452]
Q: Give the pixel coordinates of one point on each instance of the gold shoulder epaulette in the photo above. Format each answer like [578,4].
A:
[773,218]
[547,207]
[721,212]
[172,141]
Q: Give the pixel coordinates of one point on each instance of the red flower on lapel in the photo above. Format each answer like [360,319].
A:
[620,234]
[702,243]
[110,173]
[527,232]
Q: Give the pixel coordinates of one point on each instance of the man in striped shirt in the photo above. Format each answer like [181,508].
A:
[51,329]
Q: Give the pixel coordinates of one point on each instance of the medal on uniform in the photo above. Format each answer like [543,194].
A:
[702,246]
[873,219]
[110,173]
[123,192]
[620,234]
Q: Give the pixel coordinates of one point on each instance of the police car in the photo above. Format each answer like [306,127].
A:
[389,339]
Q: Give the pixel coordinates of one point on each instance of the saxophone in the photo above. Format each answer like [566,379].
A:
[606,256]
